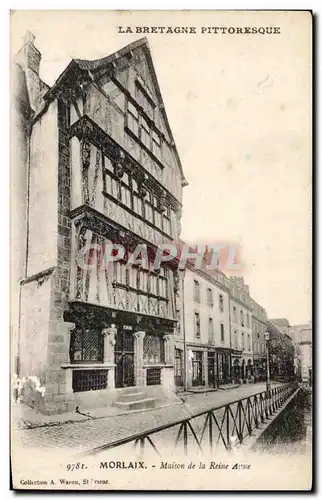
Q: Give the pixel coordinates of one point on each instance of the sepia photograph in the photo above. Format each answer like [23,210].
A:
[161,250]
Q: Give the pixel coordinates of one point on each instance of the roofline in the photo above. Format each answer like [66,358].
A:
[86,65]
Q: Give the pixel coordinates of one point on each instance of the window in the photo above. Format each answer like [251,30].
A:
[210,301]
[234,314]
[145,133]
[242,318]
[120,273]
[243,341]
[222,332]
[248,340]
[197,325]
[143,100]
[137,201]
[247,320]
[154,284]
[156,144]
[86,345]
[236,343]
[126,191]
[153,351]
[221,303]
[143,280]
[162,286]
[133,277]
[149,212]
[166,224]
[89,380]
[126,197]
[211,329]
[132,118]
[157,219]
[196,291]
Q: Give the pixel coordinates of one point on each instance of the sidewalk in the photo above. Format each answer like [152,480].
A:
[82,433]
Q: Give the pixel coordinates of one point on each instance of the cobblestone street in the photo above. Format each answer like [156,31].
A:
[93,432]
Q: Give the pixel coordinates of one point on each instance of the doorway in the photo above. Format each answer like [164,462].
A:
[197,368]
[124,359]
[212,382]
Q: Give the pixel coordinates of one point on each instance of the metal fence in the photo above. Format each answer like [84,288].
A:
[218,428]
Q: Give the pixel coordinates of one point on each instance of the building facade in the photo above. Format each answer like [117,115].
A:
[103,170]
[205,331]
[259,326]
[302,338]
[241,330]
[281,353]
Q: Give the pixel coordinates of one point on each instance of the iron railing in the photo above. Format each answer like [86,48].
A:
[223,426]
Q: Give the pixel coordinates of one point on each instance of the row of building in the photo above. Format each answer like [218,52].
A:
[94,161]
[226,333]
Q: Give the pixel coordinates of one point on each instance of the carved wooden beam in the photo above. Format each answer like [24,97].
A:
[86,128]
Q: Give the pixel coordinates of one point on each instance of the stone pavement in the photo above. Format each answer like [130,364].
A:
[70,432]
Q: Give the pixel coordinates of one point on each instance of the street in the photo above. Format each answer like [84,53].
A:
[86,434]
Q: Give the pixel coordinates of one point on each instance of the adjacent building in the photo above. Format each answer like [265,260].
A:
[241,330]
[259,328]
[102,169]
[205,331]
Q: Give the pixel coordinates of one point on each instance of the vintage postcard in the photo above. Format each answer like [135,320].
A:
[161,325]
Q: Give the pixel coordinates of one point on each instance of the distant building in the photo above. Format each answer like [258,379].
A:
[260,323]
[302,338]
[241,329]
[281,353]
[282,324]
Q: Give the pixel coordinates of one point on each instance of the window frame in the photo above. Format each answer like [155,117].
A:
[126,194]
[221,303]
[210,297]
[222,332]
[197,329]
[196,290]
[211,329]
[82,330]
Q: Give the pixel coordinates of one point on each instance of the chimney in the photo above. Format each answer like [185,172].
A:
[28,56]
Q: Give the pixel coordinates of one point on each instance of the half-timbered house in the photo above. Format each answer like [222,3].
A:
[103,169]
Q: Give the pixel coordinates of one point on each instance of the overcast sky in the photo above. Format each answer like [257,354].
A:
[239,110]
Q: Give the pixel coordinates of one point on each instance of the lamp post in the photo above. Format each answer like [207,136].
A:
[268,382]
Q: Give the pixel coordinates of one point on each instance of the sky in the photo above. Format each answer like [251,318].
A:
[239,107]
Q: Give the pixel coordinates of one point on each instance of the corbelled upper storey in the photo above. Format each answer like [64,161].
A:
[120,95]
